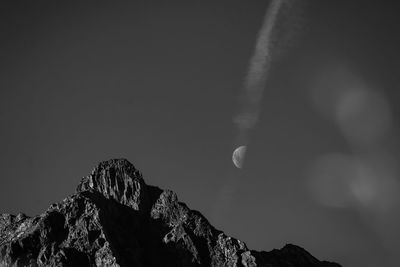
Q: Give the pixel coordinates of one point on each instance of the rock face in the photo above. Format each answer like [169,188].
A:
[115,219]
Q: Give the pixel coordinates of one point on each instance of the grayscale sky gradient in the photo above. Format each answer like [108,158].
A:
[159,83]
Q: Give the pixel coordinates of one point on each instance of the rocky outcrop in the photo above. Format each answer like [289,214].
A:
[115,219]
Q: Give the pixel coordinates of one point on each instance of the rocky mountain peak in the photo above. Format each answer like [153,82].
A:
[115,219]
[116,179]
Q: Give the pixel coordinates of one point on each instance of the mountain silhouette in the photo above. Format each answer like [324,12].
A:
[116,219]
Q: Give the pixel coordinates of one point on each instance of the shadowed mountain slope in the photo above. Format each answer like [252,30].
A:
[115,219]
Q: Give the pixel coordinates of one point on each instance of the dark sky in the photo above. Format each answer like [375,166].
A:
[158,82]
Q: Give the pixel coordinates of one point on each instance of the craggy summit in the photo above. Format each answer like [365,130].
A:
[115,219]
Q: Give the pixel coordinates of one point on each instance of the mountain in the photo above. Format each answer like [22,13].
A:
[116,219]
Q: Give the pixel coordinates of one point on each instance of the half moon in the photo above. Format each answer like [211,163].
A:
[238,156]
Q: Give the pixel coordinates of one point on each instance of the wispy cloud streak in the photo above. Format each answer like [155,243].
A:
[257,75]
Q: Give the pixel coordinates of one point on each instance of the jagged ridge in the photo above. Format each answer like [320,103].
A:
[115,219]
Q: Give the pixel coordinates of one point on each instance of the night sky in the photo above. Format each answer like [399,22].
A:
[159,83]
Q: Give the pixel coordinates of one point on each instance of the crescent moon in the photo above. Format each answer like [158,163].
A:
[238,156]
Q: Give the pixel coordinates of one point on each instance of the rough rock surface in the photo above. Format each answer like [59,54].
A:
[115,219]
